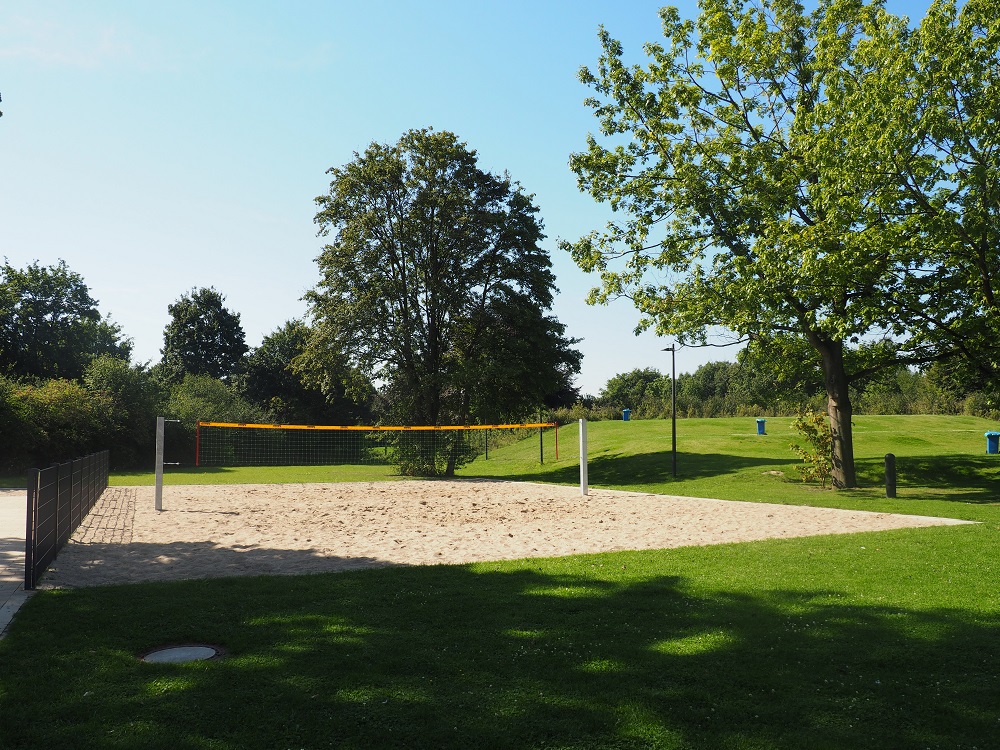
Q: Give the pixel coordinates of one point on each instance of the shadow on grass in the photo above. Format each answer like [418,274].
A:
[619,469]
[977,476]
[454,658]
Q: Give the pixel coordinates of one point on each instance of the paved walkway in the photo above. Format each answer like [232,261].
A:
[12,594]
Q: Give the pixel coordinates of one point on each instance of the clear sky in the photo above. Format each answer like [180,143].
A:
[157,147]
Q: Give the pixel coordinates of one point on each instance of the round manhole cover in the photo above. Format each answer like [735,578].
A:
[182,654]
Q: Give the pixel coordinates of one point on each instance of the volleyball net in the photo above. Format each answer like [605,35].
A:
[415,450]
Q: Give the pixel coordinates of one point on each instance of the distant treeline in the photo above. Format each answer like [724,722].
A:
[729,389]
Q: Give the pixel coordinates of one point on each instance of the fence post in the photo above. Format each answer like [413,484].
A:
[29,530]
[583,457]
[64,509]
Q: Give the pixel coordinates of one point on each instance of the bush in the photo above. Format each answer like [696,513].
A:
[135,403]
[57,421]
[817,456]
[206,399]
[13,428]
[596,413]
[981,405]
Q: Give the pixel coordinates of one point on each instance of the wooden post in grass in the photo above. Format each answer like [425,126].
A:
[583,456]
[890,475]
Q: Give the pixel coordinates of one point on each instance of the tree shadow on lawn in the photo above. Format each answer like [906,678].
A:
[978,477]
[452,656]
[618,470]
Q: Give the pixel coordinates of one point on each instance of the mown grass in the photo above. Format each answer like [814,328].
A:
[878,640]
[941,461]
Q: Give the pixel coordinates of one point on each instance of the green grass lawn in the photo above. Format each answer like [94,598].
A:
[877,640]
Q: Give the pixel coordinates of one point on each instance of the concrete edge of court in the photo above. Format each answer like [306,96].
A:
[12,524]
[13,603]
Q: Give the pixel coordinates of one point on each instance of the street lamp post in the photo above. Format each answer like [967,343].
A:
[673,406]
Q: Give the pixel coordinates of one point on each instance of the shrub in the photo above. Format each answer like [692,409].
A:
[207,399]
[817,456]
[59,420]
[135,403]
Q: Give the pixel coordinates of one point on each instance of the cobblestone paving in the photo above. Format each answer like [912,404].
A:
[112,520]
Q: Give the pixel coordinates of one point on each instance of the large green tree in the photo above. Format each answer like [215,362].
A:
[203,337]
[50,326]
[434,284]
[931,101]
[756,197]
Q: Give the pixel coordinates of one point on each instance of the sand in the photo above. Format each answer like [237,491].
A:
[212,531]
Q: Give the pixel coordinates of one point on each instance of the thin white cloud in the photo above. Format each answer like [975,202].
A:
[82,41]
[63,43]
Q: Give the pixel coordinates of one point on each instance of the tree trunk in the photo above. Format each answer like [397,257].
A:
[840,410]
[452,458]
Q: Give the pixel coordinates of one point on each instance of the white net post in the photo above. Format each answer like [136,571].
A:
[583,456]
[159,464]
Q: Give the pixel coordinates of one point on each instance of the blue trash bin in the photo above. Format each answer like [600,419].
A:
[992,442]
[626,415]
[760,426]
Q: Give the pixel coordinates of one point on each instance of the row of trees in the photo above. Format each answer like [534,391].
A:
[823,184]
[67,385]
[207,373]
[734,389]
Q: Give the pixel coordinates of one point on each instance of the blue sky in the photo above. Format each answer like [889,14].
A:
[157,147]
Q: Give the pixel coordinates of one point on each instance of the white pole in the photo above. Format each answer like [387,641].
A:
[583,456]
[159,463]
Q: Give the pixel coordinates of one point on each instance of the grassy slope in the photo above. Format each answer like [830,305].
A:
[941,462]
[882,640]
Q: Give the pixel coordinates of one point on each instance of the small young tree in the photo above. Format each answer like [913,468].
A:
[817,455]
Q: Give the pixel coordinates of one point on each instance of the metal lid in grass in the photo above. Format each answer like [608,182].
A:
[182,654]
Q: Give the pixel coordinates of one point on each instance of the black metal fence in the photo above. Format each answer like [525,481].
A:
[59,498]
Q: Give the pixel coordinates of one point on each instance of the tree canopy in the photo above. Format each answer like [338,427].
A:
[434,285]
[761,194]
[133,402]
[270,380]
[932,97]
[203,337]
[628,390]
[50,326]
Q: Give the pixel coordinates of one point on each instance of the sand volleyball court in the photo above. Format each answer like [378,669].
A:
[231,530]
